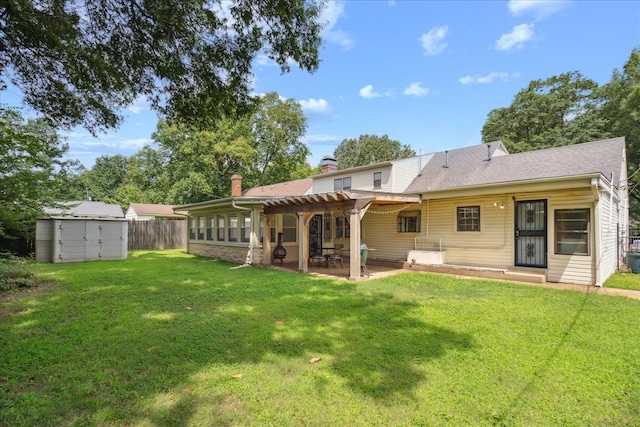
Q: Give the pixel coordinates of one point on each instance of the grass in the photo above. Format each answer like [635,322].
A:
[624,281]
[168,339]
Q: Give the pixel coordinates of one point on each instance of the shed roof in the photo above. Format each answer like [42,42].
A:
[87,208]
[469,167]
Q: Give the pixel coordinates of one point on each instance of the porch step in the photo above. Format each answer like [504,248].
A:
[514,274]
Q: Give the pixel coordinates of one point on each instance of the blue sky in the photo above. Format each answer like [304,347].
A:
[426,73]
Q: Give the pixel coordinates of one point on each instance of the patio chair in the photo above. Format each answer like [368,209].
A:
[335,255]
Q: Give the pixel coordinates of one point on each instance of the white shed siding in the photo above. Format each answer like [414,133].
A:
[131,213]
[77,240]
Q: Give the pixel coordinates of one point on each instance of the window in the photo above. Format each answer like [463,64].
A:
[326,232]
[340,184]
[233,227]
[469,218]
[273,231]
[193,223]
[245,227]
[211,223]
[377,180]
[409,222]
[289,228]
[572,231]
[200,228]
[346,183]
[221,229]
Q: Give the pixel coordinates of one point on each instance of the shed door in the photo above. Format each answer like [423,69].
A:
[531,233]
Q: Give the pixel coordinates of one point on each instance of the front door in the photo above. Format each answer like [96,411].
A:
[315,235]
[531,233]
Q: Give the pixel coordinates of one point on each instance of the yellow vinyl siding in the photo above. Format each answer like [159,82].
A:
[379,232]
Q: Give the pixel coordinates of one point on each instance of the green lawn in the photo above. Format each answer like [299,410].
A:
[168,339]
[624,281]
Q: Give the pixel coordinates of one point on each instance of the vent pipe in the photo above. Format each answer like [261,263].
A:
[488,152]
[446,159]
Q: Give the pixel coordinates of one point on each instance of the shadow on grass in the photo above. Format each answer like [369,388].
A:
[145,329]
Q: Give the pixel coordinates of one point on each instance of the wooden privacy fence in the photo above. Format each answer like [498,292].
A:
[157,234]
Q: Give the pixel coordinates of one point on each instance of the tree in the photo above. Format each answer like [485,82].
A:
[105,177]
[621,110]
[560,110]
[263,147]
[31,154]
[368,149]
[277,128]
[569,109]
[190,58]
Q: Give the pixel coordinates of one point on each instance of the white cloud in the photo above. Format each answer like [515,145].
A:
[315,106]
[367,92]
[488,79]
[433,41]
[516,38]
[140,104]
[540,8]
[416,89]
[329,17]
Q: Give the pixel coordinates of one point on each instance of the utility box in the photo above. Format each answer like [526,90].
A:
[633,261]
[68,239]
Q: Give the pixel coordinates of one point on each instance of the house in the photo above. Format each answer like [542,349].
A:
[560,212]
[149,211]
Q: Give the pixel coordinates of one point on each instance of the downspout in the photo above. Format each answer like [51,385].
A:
[233,203]
[598,238]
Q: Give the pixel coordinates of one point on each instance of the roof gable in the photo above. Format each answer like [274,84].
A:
[470,166]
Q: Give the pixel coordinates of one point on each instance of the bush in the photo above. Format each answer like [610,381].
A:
[14,273]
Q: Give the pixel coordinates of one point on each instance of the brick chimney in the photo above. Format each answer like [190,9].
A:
[236,185]
[328,165]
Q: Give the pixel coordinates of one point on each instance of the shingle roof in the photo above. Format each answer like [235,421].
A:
[468,166]
[283,189]
[152,209]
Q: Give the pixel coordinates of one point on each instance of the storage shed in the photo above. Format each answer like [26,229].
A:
[69,239]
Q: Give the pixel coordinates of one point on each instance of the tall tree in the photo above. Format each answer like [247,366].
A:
[105,177]
[190,58]
[560,110]
[369,149]
[277,128]
[31,159]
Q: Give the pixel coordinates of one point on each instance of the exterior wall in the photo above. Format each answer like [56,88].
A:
[360,180]
[44,240]
[579,269]
[493,246]
[380,234]
[405,171]
[236,254]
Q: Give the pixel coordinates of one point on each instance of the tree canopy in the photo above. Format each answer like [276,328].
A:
[570,109]
[368,149]
[79,63]
[33,174]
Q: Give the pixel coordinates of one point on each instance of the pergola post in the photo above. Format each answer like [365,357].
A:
[354,245]
[267,220]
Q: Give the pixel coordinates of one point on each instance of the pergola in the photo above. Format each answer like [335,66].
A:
[305,207]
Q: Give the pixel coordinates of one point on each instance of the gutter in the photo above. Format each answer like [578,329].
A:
[233,203]
[598,237]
